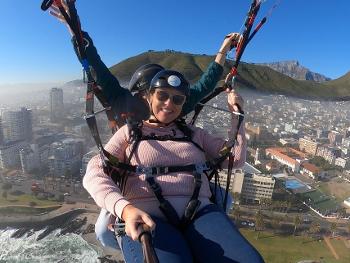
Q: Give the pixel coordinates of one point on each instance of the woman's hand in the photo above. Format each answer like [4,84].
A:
[231,40]
[134,218]
[55,12]
[234,99]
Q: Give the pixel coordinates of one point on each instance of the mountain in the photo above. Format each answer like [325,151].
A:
[260,78]
[294,70]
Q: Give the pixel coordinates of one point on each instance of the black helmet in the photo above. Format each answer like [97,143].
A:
[170,79]
[142,77]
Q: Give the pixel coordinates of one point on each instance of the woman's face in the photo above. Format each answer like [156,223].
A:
[167,104]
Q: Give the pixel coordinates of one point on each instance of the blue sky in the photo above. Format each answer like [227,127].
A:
[34,47]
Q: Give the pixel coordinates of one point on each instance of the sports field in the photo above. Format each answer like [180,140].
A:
[290,249]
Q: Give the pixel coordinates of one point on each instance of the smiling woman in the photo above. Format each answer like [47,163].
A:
[168,92]
[166,187]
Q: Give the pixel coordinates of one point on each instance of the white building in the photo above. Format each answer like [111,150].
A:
[30,159]
[251,184]
[56,104]
[9,154]
[347,202]
[65,158]
[17,125]
[343,162]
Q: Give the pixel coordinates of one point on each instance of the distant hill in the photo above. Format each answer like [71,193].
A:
[294,70]
[251,76]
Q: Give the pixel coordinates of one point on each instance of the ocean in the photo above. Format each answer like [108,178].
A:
[63,249]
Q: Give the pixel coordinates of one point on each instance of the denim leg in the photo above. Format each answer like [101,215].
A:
[213,237]
[103,234]
[220,195]
[168,242]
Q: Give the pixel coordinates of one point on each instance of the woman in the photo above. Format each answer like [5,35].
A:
[209,235]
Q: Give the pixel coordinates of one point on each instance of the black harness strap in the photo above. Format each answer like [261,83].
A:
[164,205]
[194,203]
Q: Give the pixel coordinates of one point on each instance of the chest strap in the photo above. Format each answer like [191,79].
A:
[164,205]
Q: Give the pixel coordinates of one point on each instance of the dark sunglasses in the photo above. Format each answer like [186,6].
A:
[176,99]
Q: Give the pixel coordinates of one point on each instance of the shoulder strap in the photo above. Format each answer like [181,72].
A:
[187,131]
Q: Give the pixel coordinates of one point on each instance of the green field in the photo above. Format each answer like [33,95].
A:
[25,199]
[26,210]
[290,249]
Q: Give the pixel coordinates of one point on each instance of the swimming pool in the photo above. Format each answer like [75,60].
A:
[294,184]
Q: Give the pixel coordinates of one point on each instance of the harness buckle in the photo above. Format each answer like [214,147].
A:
[191,209]
[201,167]
[144,170]
[162,170]
[119,229]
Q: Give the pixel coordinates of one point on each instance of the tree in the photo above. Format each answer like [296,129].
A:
[4,194]
[333,228]
[259,223]
[296,222]
[315,228]
[342,212]
[236,197]
[275,222]
[236,213]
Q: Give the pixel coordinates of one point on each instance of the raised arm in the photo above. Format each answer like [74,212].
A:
[104,78]
[206,84]
[119,98]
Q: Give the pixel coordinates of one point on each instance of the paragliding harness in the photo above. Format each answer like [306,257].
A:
[113,166]
[197,170]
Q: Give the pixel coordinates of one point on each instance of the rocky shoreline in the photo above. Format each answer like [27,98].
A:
[67,219]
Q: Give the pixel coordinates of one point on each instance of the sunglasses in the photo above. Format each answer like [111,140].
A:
[176,99]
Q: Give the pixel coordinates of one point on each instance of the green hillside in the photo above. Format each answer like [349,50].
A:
[251,76]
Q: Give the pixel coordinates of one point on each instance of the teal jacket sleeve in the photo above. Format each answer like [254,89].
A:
[118,97]
[104,78]
[203,87]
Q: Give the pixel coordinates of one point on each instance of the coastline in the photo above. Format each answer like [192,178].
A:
[76,218]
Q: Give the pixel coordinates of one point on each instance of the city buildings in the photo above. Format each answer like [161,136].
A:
[85,160]
[9,154]
[286,156]
[65,158]
[251,185]
[17,125]
[56,104]
[308,145]
[30,159]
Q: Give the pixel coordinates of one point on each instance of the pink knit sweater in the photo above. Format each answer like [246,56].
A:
[177,188]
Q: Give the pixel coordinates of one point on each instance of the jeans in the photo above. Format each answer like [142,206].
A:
[103,234]
[107,237]
[210,237]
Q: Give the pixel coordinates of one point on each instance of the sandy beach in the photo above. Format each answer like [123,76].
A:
[77,218]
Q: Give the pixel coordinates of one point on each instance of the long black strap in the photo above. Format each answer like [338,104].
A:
[164,205]
[93,90]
